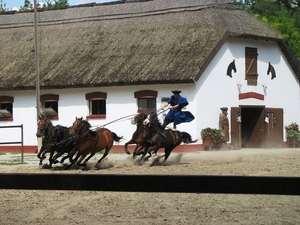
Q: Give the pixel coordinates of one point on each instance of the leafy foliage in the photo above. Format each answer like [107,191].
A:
[55,4]
[2,6]
[292,130]
[27,6]
[47,4]
[283,15]
[217,135]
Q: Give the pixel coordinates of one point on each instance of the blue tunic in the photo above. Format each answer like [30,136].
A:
[176,115]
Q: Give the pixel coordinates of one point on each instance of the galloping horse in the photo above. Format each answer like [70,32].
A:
[169,141]
[89,141]
[139,135]
[42,131]
[55,138]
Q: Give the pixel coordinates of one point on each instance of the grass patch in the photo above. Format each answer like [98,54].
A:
[16,161]
[15,153]
[2,153]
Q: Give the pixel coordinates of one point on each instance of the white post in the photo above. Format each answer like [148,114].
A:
[37,72]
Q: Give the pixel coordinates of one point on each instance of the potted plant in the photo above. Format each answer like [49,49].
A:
[215,135]
[292,134]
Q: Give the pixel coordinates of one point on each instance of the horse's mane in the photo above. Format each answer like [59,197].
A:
[142,116]
[155,118]
[87,123]
[47,120]
[60,127]
[63,137]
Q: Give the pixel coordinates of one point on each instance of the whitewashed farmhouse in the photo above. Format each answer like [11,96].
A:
[102,62]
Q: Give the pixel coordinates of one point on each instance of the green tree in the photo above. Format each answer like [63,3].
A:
[283,15]
[27,6]
[286,26]
[2,6]
[49,4]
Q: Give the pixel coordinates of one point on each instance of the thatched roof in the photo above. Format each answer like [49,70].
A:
[147,42]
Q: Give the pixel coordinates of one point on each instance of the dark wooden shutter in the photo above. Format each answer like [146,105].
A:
[251,65]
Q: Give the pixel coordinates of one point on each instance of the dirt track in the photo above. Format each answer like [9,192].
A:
[93,207]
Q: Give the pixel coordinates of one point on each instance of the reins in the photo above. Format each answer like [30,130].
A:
[162,110]
[49,124]
[122,118]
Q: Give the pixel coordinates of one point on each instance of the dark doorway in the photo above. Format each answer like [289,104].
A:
[253,127]
[256,127]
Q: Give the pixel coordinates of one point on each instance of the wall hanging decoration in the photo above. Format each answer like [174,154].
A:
[231,67]
[272,71]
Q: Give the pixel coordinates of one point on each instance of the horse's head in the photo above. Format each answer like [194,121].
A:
[78,126]
[150,119]
[139,117]
[42,126]
[147,120]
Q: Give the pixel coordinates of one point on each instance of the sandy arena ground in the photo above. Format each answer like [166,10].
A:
[95,207]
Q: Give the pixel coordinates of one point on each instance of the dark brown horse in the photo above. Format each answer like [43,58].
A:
[43,129]
[139,135]
[55,139]
[89,141]
[160,138]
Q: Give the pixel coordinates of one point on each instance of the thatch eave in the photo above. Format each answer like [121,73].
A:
[155,42]
[106,84]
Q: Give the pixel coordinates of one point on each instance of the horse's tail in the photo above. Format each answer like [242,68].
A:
[187,138]
[116,137]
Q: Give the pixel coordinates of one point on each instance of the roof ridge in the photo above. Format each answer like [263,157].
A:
[93,10]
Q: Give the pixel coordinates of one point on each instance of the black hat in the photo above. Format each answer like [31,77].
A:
[176,92]
[224,108]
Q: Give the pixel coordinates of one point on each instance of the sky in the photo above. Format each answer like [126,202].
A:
[15,4]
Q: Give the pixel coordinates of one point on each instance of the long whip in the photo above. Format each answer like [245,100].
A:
[117,120]
[162,110]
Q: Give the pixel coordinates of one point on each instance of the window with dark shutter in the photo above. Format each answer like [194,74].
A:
[97,105]
[251,65]
[6,107]
[49,106]
[146,100]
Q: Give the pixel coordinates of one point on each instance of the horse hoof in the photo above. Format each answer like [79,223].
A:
[128,152]
[46,166]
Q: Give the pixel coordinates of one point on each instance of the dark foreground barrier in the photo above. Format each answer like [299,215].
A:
[153,183]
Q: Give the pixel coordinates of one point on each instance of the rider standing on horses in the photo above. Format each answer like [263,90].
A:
[176,102]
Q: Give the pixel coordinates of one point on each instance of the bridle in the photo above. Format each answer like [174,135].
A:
[78,127]
[43,129]
[149,122]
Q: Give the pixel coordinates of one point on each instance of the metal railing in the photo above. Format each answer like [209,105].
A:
[16,142]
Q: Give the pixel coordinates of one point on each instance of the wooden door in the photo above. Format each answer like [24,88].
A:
[274,128]
[236,127]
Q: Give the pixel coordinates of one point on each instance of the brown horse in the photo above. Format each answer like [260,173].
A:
[44,127]
[160,138]
[89,141]
[139,135]
[55,139]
